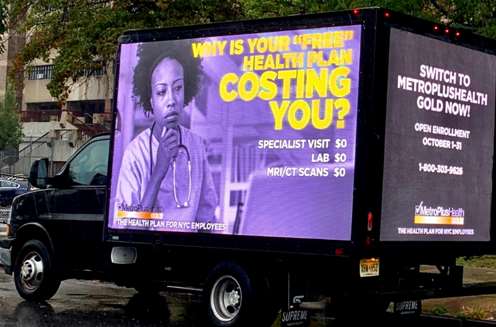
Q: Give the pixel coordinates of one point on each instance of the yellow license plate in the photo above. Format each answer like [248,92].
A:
[369,267]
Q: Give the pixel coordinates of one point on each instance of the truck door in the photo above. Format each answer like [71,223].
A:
[79,208]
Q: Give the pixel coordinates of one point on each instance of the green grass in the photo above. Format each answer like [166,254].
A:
[484,261]
[474,312]
[439,310]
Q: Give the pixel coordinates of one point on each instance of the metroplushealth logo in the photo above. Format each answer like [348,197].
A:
[440,216]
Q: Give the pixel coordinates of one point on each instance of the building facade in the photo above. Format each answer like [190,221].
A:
[50,129]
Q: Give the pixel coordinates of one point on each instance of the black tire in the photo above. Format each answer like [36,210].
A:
[34,277]
[370,309]
[234,298]
[150,288]
[148,308]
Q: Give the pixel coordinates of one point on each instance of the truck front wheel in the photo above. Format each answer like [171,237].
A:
[34,277]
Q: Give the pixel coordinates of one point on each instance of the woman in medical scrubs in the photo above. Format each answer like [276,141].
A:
[164,169]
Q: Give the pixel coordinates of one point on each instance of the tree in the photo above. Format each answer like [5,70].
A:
[81,35]
[273,8]
[10,127]
[3,18]
[478,16]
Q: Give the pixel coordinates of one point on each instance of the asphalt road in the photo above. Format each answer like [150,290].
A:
[91,303]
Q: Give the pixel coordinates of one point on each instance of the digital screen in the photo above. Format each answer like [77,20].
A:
[438,161]
[249,134]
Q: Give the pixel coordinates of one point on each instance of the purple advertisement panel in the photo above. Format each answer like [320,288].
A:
[249,134]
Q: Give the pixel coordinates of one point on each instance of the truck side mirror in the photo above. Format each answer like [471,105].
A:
[38,175]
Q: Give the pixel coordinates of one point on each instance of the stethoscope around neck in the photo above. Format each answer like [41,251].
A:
[179,204]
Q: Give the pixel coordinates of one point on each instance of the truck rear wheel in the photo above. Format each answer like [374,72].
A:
[234,298]
[34,277]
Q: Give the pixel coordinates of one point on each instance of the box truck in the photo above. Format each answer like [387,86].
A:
[271,162]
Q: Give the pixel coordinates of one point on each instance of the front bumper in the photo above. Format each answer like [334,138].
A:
[5,254]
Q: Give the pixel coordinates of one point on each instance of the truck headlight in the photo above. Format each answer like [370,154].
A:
[4,221]
[4,230]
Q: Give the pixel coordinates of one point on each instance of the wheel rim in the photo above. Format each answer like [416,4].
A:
[32,271]
[226,298]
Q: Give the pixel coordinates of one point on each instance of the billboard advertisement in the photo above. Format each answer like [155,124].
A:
[250,134]
[438,162]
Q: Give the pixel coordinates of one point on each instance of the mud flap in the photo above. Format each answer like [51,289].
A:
[295,318]
[406,308]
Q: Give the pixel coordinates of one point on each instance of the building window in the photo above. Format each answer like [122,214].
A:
[89,72]
[40,72]
[45,72]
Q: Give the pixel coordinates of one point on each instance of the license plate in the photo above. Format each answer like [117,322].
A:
[369,267]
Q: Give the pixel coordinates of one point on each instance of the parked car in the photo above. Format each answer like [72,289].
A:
[10,189]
